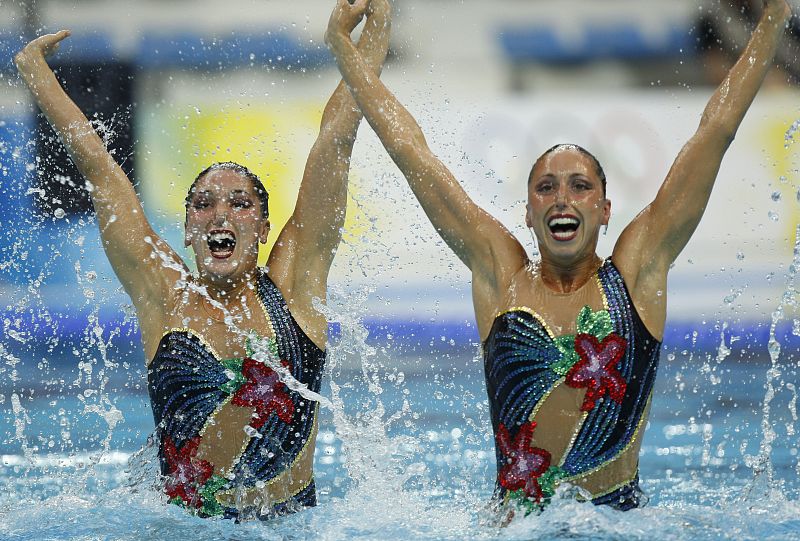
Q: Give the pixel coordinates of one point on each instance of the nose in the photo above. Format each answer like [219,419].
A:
[561,197]
[220,214]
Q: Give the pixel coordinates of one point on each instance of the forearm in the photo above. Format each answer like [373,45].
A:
[669,222]
[460,222]
[730,102]
[341,114]
[79,138]
[322,199]
[394,125]
[119,213]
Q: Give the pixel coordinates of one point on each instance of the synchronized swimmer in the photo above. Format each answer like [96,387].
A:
[571,342]
[233,439]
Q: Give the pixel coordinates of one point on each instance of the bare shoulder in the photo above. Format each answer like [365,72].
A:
[493,297]
[645,275]
[300,299]
[157,317]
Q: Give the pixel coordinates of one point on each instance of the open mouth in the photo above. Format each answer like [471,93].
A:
[563,227]
[221,243]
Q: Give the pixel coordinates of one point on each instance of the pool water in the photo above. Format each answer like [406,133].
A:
[406,452]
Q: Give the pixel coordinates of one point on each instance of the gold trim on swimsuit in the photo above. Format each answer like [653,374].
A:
[541,320]
[625,449]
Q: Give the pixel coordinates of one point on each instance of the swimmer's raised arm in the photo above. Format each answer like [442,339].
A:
[305,248]
[128,239]
[480,241]
[654,239]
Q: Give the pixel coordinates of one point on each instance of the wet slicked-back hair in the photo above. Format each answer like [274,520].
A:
[258,186]
[570,146]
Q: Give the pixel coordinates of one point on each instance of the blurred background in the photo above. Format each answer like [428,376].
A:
[175,85]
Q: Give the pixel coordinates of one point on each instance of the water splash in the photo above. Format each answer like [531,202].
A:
[764,486]
[379,466]
[788,138]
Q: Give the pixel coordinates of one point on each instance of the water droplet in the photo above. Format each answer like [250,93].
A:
[740,256]
[59,213]
[773,216]
[776,196]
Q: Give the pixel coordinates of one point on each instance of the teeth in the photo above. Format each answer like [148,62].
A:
[222,236]
[563,221]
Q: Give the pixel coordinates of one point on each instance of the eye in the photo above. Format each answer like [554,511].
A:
[544,187]
[581,186]
[200,204]
[241,203]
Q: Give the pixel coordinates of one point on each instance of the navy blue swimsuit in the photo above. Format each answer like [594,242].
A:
[612,354]
[188,383]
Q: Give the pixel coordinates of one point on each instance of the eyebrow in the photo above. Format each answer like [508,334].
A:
[209,193]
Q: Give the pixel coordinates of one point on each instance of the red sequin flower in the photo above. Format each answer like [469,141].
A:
[185,474]
[524,464]
[264,391]
[597,368]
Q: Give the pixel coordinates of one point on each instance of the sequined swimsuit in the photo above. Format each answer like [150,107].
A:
[188,383]
[612,355]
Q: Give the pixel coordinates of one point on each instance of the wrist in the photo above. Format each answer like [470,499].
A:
[26,61]
[336,38]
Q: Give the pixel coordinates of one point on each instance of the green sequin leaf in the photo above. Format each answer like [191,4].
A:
[567,361]
[521,500]
[233,366]
[598,324]
[566,345]
[270,344]
[211,507]
[549,479]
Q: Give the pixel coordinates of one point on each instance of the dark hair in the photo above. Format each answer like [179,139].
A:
[258,186]
[570,146]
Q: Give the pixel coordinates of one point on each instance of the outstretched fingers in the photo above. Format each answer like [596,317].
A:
[48,43]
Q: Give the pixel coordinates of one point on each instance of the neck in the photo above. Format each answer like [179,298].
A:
[566,278]
[227,290]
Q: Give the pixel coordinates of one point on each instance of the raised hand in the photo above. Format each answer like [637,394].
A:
[779,8]
[40,48]
[346,16]
[378,7]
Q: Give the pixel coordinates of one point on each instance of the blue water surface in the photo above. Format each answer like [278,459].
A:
[406,453]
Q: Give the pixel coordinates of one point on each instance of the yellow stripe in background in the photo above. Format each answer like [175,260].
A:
[782,157]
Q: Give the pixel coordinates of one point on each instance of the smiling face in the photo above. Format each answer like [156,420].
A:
[566,205]
[224,226]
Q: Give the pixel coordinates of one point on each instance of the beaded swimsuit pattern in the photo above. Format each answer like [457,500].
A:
[188,383]
[612,355]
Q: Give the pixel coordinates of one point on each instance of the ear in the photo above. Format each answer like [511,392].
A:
[187,238]
[528,215]
[264,233]
[606,211]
